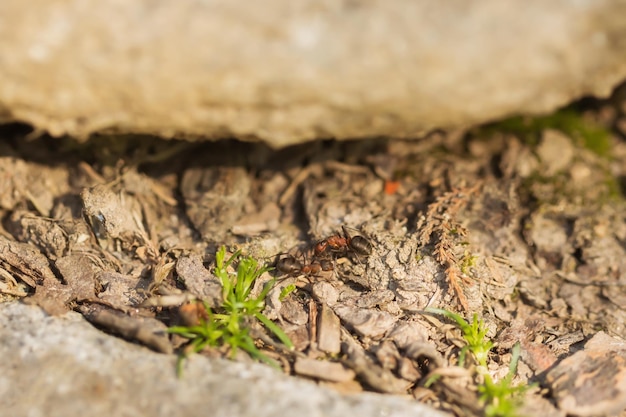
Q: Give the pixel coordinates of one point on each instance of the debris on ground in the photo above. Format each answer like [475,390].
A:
[521,223]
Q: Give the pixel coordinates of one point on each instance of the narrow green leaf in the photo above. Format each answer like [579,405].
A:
[276,330]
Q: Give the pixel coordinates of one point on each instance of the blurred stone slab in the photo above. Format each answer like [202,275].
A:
[592,382]
[62,366]
[285,71]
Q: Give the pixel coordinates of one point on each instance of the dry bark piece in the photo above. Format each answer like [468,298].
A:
[503,277]
[79,273]
[141,185]
[266,220]
[52,296]
[616,293]
[371,374]
[387,354]
[547,234]
[26,262]
[147,331]
[45,233]
[198,280]
[366,322]
[407,332]
[30,182]
[156,203]
[122,291]
[538,356]
[298,334]
[399,281]
[328,331]
[592,382]
[9,285]
[520,330]
[215,197]
[294,312]
[117,216]
[328,371]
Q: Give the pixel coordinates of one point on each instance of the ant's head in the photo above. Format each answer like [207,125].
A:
[288,265]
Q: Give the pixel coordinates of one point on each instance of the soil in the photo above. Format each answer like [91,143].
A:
[523,223]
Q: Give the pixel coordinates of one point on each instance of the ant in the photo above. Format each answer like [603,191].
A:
[343,244]
[291,266]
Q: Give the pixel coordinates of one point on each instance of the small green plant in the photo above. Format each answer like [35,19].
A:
[284,293]
[474,333]
[500,399]
[468,262]
[228,325]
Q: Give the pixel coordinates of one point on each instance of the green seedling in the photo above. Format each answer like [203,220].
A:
[502,398]
[228,325]
[284,293]
[468,262]
[474,333]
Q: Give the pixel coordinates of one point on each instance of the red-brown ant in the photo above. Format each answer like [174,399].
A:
[343,244]
[291,266]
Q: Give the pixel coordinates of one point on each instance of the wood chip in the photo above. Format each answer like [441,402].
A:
[294,312]
[199,281]
[372,375]
[79,273]
[25,261]
[328,371]
[407,332]
[265,220]
[592,381]
[329,331]
[366,322]
[122,291]
[299,336]
[147,331]
[345,388]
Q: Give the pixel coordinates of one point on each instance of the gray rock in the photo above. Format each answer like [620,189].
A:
[62,366]
[592,382]
[286,72]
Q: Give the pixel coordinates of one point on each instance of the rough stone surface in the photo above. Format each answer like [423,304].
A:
[286,72]
[62,366]
[592,382]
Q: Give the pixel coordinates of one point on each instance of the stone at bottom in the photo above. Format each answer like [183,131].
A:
[63,366]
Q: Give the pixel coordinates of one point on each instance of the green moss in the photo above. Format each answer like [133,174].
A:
[586,133]
[468,262]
